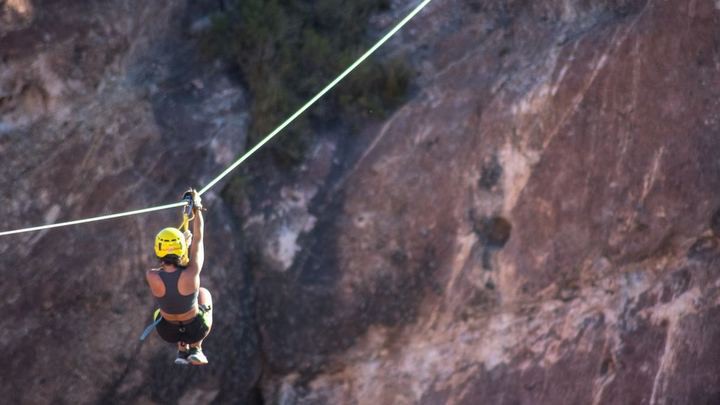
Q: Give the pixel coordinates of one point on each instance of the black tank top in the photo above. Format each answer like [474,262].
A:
[173,302]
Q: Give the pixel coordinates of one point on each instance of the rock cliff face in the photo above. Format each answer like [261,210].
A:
[107,107]
[539,223]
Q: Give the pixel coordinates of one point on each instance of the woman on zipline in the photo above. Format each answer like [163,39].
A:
[185,307]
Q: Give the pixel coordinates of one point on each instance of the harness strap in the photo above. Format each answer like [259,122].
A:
[152,326]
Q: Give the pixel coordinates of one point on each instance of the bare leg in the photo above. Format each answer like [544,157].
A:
[204,298]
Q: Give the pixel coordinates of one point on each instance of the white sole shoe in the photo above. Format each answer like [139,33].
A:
[197,358]
[182,359]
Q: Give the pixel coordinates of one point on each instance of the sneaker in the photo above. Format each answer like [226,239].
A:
[182,358]
[196,357]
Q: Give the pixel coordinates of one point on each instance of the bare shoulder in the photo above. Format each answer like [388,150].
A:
[152,273]
[192,269]
[153,279]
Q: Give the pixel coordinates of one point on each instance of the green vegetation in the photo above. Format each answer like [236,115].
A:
[287,50]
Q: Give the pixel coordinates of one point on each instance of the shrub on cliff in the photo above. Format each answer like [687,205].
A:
[288,50]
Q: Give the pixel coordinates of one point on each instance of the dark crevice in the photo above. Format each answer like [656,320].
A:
[255,396]
[110,395]
[245,387]
[715,223]
[490,173]
[494,232]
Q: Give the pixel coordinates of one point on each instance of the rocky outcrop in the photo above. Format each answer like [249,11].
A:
[532,227]
[537,224]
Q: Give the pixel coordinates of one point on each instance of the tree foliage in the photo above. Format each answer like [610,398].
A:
[288,50]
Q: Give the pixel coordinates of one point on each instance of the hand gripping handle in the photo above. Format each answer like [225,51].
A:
[188,198]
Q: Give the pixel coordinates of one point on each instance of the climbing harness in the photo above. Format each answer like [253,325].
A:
[254,149]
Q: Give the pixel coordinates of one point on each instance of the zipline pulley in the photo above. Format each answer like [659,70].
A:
[187,213]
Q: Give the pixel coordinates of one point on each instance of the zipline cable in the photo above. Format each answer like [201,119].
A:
[254,149]
[100,218]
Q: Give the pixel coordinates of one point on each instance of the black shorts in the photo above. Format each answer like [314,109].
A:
[188,332]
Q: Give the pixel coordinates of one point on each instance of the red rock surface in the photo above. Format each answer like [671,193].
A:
[537,224]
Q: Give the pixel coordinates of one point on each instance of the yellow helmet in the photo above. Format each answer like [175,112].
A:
[170,241]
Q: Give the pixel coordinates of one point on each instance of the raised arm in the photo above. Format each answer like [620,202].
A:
[197,248]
